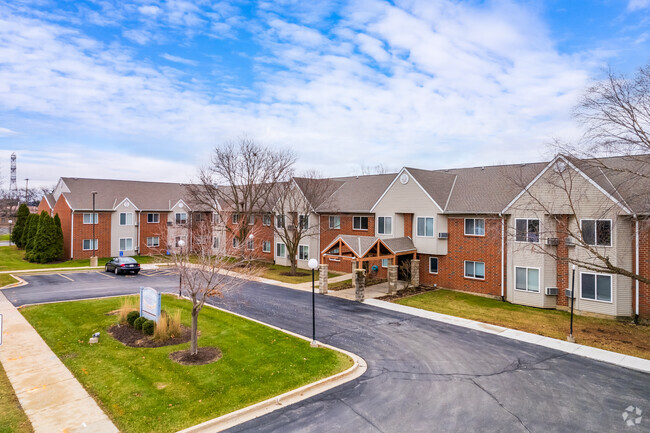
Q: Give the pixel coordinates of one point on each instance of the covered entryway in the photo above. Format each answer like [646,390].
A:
[362,249]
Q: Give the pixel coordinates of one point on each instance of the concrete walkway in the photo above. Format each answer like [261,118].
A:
[50,395]
[370,292]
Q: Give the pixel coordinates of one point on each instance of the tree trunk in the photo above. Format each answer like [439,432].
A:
[294,266]
[194,348]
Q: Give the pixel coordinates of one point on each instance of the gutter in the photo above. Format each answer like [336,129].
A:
[72,236]
[503,241]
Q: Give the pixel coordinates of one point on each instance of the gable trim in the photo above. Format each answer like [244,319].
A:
[404,170]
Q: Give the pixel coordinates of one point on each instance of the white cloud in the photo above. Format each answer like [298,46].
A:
[6,132]
[634,5]
[177,59]
[150,10]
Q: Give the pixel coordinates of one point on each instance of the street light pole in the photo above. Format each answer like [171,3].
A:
[313,264]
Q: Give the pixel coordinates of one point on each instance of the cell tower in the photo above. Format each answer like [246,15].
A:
[12,185]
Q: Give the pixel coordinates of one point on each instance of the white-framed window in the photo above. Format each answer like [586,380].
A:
[433,265]
[335,222]
[280,249]
[178,239]
[153,218]
[126,244]
[360,223]
[235,243]
[197,217]
[425,227]
[384,263]
[596,287]
[303,221]
[153,241]
[250,244]
[88,218]
[216,219]
[181,218]
[385,225]
[216,242]
[266,219]
[251,220]
[527,279]
[527,230]
[474,226]
[235,218]
[126,218]
[597,232]
[279,221]
[303,252]
[88,244]
[474,270]
[266,246]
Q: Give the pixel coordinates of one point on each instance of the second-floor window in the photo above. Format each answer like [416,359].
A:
[126,218]
[235,218]
[597,232]
[385,225]
[251,220]
[335,222]
[88,218]
[475,226]
[360,223]
[266,220]
[153,218]
[527,230]
[181,218]
[425,226]
[303,221]
[197,217]
[279,221]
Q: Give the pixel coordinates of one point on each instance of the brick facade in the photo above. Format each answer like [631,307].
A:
[148,229]
[644,269]
[65,215]
[260,232]
[44,206]
[85,231]
[328,235]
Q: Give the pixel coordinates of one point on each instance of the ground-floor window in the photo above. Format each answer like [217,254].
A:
[303,252]
[597,287]
[475,270]
[251,244]
[527,279]
[215,242]
[266,246]
[280,249]
[433,265]
[384,263]
[88,244]
[153,241]
[235,242]
[126,244]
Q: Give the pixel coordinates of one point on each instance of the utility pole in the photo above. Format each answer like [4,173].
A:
[26,189]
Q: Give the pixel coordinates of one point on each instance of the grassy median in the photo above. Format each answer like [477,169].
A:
[142,390]
[12,417]
[617,335]
[281,273]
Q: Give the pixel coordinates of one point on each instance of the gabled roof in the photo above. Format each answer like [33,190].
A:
[355,194]
[49,199]
[361,244]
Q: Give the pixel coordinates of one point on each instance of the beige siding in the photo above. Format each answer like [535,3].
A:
[174,230]
[126,231]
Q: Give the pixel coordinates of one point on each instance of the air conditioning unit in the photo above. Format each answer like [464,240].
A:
[554,242]
[551,291]
[567,293]
[291,228]
[170,223]
[443,235]
[569,242]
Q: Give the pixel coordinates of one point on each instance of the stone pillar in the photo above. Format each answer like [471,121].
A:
[415,272]
[392,279]
[322,279]
[360,284]
[93,261]
[354,275]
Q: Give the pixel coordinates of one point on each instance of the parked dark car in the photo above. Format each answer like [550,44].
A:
[121,265]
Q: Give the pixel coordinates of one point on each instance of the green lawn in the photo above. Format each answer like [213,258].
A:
[6,279]
[619,336]
[142,390]
[5,237]
[275,272]
[12,417]
[11,259]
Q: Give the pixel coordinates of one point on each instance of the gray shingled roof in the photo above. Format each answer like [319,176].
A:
[356,193]
[361,244]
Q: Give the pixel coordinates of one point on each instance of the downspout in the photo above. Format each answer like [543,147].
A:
[503,240]
[636,262]
[72,237]
[139,225]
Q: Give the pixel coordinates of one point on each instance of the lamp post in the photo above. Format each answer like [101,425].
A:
[181,243]
[313,264]
[93,259]
[570,338]
[250,245]
[10,229]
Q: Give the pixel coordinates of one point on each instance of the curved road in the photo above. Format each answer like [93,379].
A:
[423,376]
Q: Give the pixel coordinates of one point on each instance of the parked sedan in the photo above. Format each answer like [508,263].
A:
[121,265]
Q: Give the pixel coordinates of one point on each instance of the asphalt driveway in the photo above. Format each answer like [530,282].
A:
[423,376]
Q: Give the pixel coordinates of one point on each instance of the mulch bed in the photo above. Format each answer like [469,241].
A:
[297,274]
[129,336]
[205,355]
[405,293]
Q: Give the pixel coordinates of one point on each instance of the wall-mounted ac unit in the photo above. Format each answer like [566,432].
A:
[443,235]
[552,242]
[569,242]
[170,223]
[551,291]
[291,228]
[567,293]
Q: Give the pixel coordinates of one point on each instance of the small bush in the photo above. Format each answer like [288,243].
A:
[129,305]
[139,322]
[148,327]
[131,317]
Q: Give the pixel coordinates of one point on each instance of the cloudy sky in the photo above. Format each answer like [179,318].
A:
[144,89]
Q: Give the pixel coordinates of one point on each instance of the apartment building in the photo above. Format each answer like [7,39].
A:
[504,231]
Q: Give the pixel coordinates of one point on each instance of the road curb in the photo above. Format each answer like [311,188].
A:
[283,400]
[615,358]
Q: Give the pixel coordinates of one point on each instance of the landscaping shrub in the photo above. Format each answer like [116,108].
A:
[129,305]
[19,228]
[139,322]
[44,245]
[161,332]
[59,237]
[29,233]
[132,317]
[148,327]
[174,324]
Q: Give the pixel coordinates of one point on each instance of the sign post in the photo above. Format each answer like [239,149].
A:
[150,303]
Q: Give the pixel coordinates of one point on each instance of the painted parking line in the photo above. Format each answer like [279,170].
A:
[104,274]
[67,278]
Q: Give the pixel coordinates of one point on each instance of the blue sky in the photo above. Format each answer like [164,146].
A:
[145,89]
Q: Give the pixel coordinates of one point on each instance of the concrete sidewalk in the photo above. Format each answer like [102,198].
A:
[50,395]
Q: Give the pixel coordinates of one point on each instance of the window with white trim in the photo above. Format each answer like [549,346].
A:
[433,265]
[303,221]
[153,241]
[88,218]
[360,223]
[235,243]
[216,219]
[197,217]
[475,270]
[384,225]
[384,263]
[596,287]
[235,218]
[335,222]
[597,232]
[279,221]
[181,218]
[126,244]
[251,220]
[216,242]
[266,246]
[425,227]
[153,218]
[88,244]
[250,244]
[280,249]
[475,226]
[303,252]
[527,230]
[266,219]
[527,279]
[126,218]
